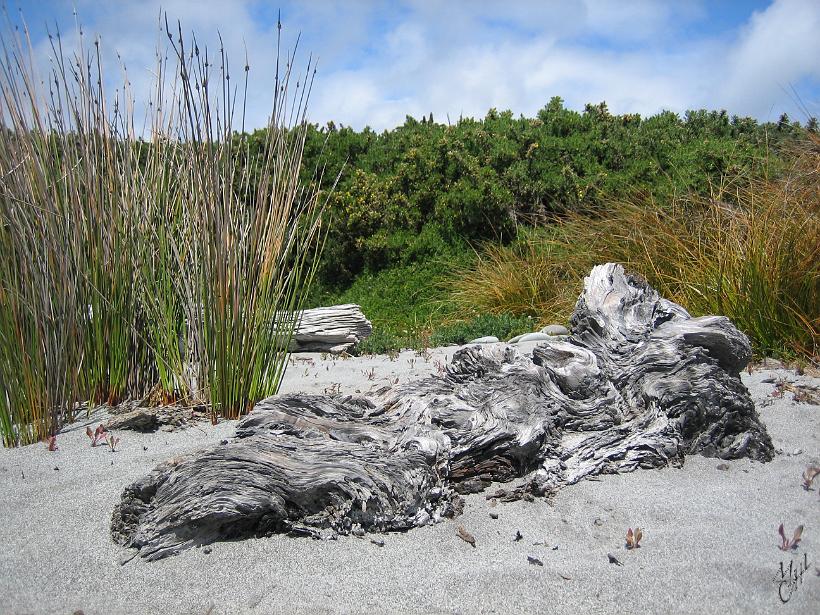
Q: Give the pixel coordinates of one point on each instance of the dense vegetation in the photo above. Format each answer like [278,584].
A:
[413,204]
[167,269]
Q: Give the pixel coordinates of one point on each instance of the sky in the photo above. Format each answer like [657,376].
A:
[381,61]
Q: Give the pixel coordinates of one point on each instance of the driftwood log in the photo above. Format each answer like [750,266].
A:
[638,384]
[332,329]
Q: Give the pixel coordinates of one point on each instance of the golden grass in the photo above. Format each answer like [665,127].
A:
[751,252]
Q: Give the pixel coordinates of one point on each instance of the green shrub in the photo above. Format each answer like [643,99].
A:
[382,341]
[502,326]
[479,180]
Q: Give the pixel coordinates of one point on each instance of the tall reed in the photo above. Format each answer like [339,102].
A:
[145,263]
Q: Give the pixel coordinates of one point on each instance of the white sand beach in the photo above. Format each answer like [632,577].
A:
[710,531]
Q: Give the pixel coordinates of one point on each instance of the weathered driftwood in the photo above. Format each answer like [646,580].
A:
[330,329]
[638,384]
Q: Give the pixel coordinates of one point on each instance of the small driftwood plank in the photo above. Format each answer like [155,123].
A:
[638,384]
[333,329]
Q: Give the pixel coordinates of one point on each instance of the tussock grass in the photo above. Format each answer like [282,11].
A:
[750,252]
[538,275]
[145,265]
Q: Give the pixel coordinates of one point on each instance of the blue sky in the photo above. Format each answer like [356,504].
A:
[380,61]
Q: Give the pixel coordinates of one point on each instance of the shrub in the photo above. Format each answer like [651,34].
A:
[382,341]
[502,326]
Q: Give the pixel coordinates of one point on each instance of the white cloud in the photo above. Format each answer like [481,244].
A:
[381,61]
[778,47]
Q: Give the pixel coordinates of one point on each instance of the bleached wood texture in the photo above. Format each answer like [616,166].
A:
[330,329]
[638,384]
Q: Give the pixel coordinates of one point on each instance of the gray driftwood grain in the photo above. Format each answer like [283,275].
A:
[330,329]
[638,384]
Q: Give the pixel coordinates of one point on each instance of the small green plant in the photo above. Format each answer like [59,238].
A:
[502,326]
[335,388]
[805,394]
[381,341]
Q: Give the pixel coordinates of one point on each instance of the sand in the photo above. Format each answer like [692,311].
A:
[710,534]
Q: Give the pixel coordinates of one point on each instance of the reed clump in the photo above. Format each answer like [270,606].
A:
[145,262]
[751,252]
